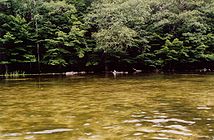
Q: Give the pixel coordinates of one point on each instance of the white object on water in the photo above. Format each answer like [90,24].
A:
[137,71]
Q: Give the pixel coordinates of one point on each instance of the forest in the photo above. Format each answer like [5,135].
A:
[41,36]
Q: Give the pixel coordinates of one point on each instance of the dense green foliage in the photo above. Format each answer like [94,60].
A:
[120,34]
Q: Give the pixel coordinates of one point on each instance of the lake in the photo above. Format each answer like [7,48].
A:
[131,107]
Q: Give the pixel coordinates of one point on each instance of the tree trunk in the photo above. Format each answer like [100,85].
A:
[37,44]
[6,68]
[38,57]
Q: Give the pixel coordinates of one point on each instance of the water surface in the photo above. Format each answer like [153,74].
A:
[104,108]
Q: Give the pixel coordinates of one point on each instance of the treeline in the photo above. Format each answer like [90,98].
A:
[97,35]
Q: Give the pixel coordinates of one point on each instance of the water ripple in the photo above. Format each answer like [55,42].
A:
[160,126]
[11,134]
[168,120]
[178,127]
[176,132]
[203,108]
[50,131]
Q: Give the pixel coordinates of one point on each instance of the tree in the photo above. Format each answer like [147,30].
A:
[114,23]
[63,33]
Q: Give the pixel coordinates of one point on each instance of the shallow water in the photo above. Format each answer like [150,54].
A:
[104,108]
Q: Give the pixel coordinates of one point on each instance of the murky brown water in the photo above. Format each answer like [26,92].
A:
[97,108]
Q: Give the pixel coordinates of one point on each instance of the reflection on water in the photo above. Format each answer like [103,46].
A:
[93,107]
